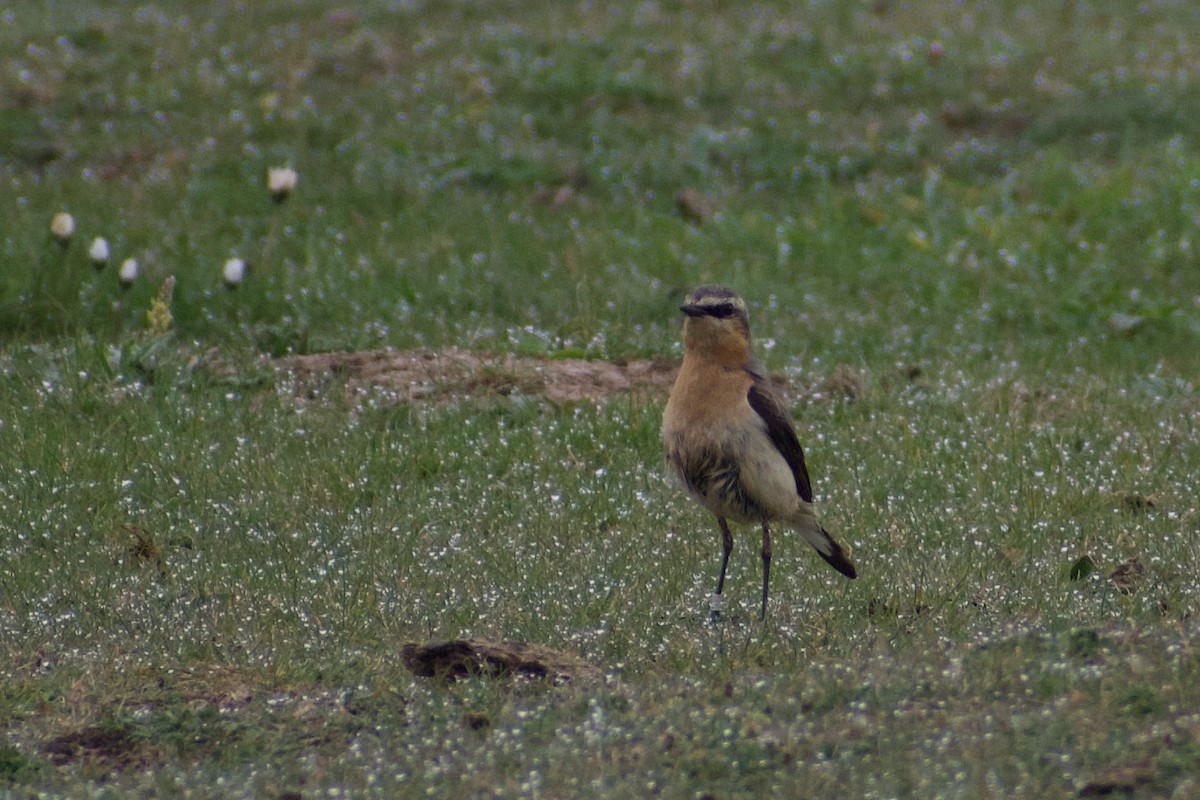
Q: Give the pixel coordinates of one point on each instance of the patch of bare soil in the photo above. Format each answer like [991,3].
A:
[429,376]
[1121,780]
[464,658]
[102,749]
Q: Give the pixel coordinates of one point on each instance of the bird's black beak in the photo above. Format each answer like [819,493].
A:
[692,311]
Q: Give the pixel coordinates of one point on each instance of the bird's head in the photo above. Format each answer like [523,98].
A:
[716,323]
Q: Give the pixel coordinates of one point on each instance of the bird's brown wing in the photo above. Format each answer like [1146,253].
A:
[767,405]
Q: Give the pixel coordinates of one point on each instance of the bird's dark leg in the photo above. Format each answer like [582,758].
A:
[766,554]
[727,542]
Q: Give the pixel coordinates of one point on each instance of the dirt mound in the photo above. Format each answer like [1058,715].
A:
[423,375]
[463,658]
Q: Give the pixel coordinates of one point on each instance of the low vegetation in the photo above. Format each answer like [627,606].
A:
[231,496]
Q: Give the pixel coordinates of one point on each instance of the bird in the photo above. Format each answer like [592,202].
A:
[729,439]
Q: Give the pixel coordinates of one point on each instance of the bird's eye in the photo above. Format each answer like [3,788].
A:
[722,310]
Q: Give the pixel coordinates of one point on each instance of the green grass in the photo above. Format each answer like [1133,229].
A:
[986,211]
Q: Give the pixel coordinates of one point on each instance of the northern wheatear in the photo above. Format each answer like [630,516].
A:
[729,438]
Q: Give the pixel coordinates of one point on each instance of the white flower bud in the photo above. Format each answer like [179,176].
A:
[63,227]
[98,252]
[128,272]
[281,181]
[234,272]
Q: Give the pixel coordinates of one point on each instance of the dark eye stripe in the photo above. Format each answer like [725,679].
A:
[721,311]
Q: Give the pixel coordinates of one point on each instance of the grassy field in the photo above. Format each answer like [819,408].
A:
[967,234]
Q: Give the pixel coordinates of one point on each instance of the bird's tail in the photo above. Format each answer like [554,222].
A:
[825,545]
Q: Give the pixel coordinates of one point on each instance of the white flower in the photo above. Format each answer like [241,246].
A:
[281,181]
[98,252]
[128,272]
[234,272]
[63,227]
